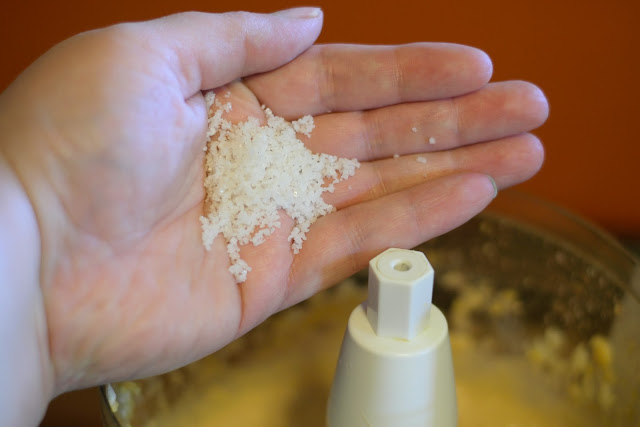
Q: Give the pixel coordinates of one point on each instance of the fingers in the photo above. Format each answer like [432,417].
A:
[209,50]
[509,161]
[496,111]
[347,77]
[342,243]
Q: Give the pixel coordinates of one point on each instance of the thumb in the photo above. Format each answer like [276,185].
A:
[209,50]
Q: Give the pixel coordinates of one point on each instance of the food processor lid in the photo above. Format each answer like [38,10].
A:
[395,366]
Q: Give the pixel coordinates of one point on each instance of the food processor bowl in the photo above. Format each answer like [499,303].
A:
[544,316]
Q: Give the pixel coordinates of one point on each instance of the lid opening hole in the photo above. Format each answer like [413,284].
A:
[402,266]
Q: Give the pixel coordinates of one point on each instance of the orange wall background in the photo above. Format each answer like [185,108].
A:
[584,55]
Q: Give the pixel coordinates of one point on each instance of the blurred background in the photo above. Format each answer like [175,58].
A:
[583,54]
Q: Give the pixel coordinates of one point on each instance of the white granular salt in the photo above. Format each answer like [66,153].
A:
[304,125]
[421,159]
[395,156]
[432,140]
[253,171]
[414,129]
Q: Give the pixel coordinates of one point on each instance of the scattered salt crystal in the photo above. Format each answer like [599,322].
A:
[227,95]
[208,98]
[421,159]
[432,140]
[253,171]
[304,125]
[395,156]
[414,130]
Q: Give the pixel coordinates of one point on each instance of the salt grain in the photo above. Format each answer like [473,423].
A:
[432,140]
[304,125]
[395,156]
[255,170]
[414,130]
[421,160]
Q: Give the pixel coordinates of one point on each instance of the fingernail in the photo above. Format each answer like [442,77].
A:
[300,12]
[495,186]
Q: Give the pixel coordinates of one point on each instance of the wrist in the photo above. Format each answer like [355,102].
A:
[25,369]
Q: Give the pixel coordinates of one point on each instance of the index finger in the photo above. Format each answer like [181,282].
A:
[328,78]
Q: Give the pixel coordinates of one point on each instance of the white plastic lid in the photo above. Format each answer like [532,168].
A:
[400,290]
[395,367]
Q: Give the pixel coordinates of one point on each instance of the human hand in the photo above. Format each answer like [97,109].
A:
[105,133]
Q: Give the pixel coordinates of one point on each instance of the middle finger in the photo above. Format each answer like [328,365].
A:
[497,111]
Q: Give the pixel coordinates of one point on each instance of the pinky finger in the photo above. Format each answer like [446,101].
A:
[342,243]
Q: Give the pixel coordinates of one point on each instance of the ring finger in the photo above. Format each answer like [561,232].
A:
[508,161]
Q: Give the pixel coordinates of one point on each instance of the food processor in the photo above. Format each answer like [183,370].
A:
[395,366]
[526,315]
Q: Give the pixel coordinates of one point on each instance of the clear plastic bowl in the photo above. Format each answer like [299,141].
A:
[535,285]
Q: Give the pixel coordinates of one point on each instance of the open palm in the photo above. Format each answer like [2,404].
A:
[113,165]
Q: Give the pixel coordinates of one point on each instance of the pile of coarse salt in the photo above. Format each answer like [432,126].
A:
[253,171]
